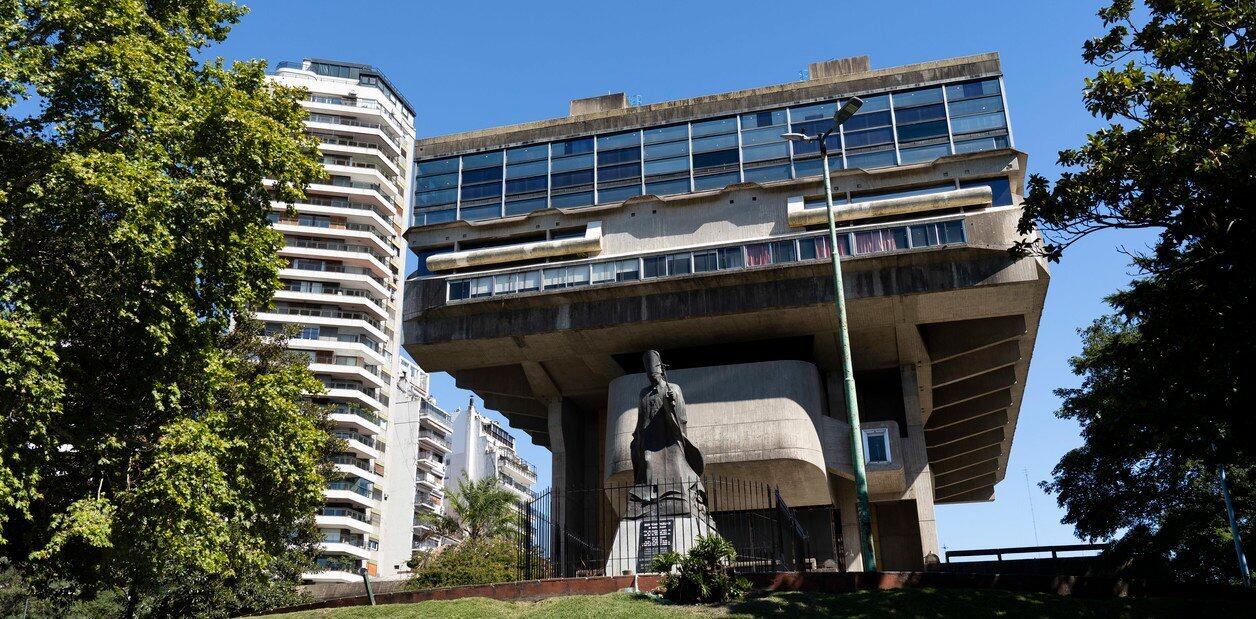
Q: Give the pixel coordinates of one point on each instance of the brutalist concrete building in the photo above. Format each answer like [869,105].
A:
[553,253]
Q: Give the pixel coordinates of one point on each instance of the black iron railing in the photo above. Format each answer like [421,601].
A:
[570,533]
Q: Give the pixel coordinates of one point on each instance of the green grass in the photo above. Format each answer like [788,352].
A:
[893,603]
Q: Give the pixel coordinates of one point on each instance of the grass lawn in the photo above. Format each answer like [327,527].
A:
[892,603]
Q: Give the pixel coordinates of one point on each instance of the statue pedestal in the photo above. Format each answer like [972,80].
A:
[639,540]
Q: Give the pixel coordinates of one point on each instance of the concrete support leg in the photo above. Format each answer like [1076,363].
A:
[844,499]
[575,450]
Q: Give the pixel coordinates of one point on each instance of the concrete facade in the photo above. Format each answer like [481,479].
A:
[483,449]
[942,328]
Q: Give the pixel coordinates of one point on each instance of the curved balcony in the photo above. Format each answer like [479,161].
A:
[434,442]
[360,212]
[359,299]
[344,518]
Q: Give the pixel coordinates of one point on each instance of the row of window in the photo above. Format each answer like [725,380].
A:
[890,129]
[811,247]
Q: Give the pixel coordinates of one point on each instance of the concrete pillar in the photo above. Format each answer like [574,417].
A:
[916,462]
[844,499]
[575,450]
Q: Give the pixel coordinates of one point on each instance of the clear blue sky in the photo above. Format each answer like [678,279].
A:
[469,65]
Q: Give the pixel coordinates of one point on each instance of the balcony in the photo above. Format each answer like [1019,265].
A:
[429,482]
[435,441]
[431,462]
[343,518]
[349,341]
[334,103]
[515,464]
[354,208]
[318,266]
[431,415]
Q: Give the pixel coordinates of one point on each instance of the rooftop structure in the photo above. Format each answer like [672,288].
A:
[553,253]
[484,449]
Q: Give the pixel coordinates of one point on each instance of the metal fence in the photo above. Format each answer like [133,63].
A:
[569,533]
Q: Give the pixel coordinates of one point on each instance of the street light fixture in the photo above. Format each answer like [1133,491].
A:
[848,374]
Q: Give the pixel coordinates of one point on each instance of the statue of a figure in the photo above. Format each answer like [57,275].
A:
[666,467]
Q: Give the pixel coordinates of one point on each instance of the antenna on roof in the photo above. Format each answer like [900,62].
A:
[803,75]
[635,101]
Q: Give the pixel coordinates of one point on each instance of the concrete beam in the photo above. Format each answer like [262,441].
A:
[972,496]
[971,458]
[799,216]
[969,472]
[965,446]
[960,431]
[979,361]
[590,243]
[508,380]
[540,382]
[951,339]
[974,387]
[963,411]
[987,480]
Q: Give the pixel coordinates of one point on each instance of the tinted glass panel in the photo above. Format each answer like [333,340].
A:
[520,207]
[980,144]
[482,160]
[783,251]
[718,158]
[571,179]
[619,156]
[667,166]
[981,105]
[762,119]
[666,134]
[474,192]
[480,176]
[865,121]
[572,147]
[703,262]
[920,114]
[444,181]
[770,173]
[715,181]
[583,198]
[620,140]
[669,149]
[714,143]
[678,264]
[972,89]
[713,127]
[438,166]
[870,160]
[878,102]
[527,153]
[487,211]
[981,122]
[761,136]
[917,97]
[619,172]
[667,188]
[618,194]
[766,152]
[921,131]
[534,168]
[869,138]
[812,167]
[901,193]
[435,217]
[571,163]
[526,185]
[812,112]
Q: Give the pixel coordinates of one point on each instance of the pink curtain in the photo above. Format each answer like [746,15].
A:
[758,254]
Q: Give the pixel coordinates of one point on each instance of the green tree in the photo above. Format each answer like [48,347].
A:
[1166,393]
[154,443]
[481,510]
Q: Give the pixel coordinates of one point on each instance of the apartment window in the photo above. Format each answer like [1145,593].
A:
[876,444]
[704,262]
[715,157]
[764,153]
[619,167]
[1000,190]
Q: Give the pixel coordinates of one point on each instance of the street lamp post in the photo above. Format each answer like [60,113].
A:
[863,512]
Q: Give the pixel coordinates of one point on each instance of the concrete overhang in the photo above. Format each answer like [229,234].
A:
[751,421]
[799,216]
[590,243]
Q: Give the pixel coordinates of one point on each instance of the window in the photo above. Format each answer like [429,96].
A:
[619,167]
[731,258]
[783,251]
[653,266]
[679,264]
[1000,189]
[920,119]
[876,444]
[704,262]
[715,157]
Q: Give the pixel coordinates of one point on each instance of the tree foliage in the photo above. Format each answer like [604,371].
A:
[153,442]
[1166,393]
[481,510]
[702,574]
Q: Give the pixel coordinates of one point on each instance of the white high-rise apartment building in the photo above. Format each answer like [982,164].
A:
[418,448]
[341,283]
[483,448]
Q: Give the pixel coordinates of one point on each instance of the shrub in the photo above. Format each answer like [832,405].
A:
[702,575]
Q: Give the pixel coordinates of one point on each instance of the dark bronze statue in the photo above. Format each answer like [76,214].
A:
[666,466]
